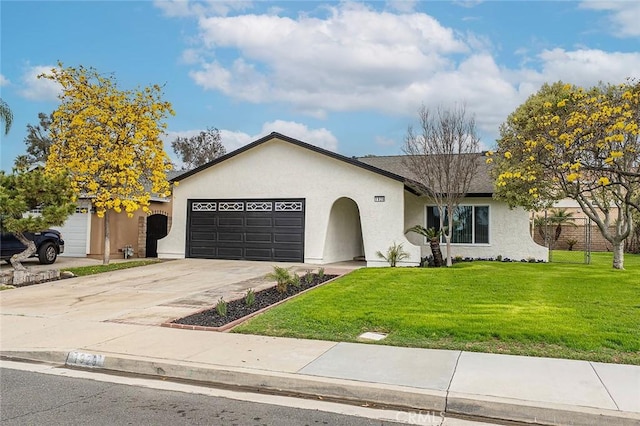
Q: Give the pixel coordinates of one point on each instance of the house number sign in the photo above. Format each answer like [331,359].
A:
[378,198]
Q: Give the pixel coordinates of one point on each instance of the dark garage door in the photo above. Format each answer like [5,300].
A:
[271,230]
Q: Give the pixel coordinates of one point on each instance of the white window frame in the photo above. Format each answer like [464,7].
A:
[473,224]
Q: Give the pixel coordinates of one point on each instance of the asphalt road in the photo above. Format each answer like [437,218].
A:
[43,399]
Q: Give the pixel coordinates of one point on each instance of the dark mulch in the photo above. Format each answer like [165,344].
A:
[237,308]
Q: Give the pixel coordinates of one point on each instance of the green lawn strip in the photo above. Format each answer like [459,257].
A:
[98,269]
[577,311]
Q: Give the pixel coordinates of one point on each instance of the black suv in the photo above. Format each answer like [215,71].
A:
[49,244]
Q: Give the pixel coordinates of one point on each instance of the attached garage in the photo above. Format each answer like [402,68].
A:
[246,229]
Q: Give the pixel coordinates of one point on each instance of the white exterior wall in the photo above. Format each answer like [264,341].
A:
[278,169]
[509,234]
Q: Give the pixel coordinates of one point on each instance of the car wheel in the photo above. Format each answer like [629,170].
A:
[47,254]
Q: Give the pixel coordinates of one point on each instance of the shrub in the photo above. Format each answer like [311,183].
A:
[221,307]
[395,254]
[282,277]
[308,277]
[295,281]
[321,273]
[250,298]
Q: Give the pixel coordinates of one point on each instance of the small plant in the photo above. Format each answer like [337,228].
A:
[308,277]
[499,258]
[250,298]
[295,281]
[571,242]
[458,259]
[221,307]
[282,277]
[321,273]
[395,253]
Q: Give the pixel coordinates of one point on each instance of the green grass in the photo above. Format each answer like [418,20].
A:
[98,269]
[578,311]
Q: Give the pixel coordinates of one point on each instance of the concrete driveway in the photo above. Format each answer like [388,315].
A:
[147,295]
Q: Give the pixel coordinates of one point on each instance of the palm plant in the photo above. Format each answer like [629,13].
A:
[395,253]
[282,277]
[433,236]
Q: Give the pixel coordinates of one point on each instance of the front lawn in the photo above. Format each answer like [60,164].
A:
[81,271]
[589,312]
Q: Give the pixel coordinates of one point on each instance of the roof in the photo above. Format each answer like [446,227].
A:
[389,166]
[284,138]
[481,185]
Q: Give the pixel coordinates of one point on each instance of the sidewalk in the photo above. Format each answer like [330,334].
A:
[525,389]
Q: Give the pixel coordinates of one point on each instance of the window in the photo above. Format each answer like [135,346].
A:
[470,223]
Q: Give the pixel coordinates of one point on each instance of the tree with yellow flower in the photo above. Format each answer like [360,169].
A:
[108,140]
[565,141]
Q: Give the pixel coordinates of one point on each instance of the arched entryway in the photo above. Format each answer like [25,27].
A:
[156,229]
[344,232]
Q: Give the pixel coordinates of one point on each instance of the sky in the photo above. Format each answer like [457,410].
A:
[345,76]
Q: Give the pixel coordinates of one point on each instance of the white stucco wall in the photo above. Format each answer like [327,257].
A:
[279,169]
[509,234]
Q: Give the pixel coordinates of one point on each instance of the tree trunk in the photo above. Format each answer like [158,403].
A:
[618,255]
[17,258]
[434,243]
[448,236]
[107,242]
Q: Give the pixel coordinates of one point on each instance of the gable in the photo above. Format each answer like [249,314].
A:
[297,143]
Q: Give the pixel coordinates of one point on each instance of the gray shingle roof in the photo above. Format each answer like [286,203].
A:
[482,183]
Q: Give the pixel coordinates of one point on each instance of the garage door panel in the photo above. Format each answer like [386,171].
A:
[259,222]
[246,229]
[230,237]
[284,255]
[200,220]
[252,237]
[287,238]
[203,251]
[258,254]
[230,221]
[290,222]
[230,253]
[203,236]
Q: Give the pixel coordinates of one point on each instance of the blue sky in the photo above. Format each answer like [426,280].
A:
[346,76]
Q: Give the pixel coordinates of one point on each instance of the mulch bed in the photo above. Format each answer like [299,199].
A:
[237,309]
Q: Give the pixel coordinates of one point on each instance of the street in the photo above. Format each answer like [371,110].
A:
[37,395]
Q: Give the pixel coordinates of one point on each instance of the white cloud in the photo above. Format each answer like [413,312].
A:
[355,58]
[587,67]
[322,137]
[350,60]
[39,89]
[186,8]
[4,81]
[402,5]
[385,142]
[233,140]
[624,16]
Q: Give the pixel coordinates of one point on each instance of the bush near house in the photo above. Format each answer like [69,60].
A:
[574,311]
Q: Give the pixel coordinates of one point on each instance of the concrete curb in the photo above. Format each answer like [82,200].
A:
[536,412]
[339,390]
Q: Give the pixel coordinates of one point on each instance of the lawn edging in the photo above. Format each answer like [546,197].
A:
[229,326]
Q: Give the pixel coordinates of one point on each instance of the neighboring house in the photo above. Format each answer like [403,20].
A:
[280,199]
[581,231]
[83,231]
